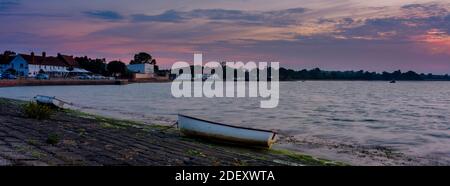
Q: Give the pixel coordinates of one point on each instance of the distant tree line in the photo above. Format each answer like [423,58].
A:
[100,66]
[318,74]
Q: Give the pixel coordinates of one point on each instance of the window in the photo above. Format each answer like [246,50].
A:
[21,65]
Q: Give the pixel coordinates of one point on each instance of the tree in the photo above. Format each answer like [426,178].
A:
[142,58]
[396,74]
[411,75]
[9,53]
[117,67]
[316,73]
[97,66]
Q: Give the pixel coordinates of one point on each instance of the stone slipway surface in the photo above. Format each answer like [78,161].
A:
[92,140]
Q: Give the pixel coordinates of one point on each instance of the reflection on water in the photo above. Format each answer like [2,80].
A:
[412,117]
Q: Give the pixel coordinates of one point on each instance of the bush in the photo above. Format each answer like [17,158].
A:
[36,111]
[52,139]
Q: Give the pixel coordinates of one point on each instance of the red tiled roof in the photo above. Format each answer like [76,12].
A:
[39,60]
[61,60]
[69,60]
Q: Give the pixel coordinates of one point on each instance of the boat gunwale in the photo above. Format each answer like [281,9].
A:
[227,125]
[53,98]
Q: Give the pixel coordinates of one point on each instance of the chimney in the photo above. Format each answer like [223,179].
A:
[6,56]
[44,54]
[32,58]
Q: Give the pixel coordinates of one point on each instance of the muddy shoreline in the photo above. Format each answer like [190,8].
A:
[75,138]
[350,153]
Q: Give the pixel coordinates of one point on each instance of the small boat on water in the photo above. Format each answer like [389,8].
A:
[51,101]
[191,126]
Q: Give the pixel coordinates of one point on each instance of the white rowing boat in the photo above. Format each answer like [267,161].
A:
[226,133]
[51,101]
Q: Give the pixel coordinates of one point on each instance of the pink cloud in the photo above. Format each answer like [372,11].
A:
[436,41]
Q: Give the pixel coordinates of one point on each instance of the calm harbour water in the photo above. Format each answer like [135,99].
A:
[411,117]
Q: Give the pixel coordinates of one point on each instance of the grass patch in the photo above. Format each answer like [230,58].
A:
[32,142]
[237,162]
[81,132]
[4,101]
[111,126]
[38,155]
[29,150]
[306,159]
[106,122]
[69,142]
[52,139]
[195,153]
[113,123]
[36,111]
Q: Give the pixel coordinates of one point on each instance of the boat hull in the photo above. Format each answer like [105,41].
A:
[225,133]
[50,101]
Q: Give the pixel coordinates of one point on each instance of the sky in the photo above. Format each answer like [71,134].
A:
[376,35]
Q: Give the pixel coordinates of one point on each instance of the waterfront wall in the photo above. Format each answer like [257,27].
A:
[32,82]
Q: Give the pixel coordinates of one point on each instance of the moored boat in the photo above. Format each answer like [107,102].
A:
[191,126]
[51,101]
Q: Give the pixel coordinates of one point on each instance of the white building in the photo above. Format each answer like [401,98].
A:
[142,68]
[31,65]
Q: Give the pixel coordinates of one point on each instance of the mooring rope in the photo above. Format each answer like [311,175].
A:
[171,126]
[65,102]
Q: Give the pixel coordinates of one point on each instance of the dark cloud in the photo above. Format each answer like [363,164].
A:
[221,14]
[105,15]
[34,15]
[416,19]
[182,32]
[278,17]
[340,22]
[167,16]
[412,6]
[290,11]
[8,4]
[425,9]
[403,27]
[420,6]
